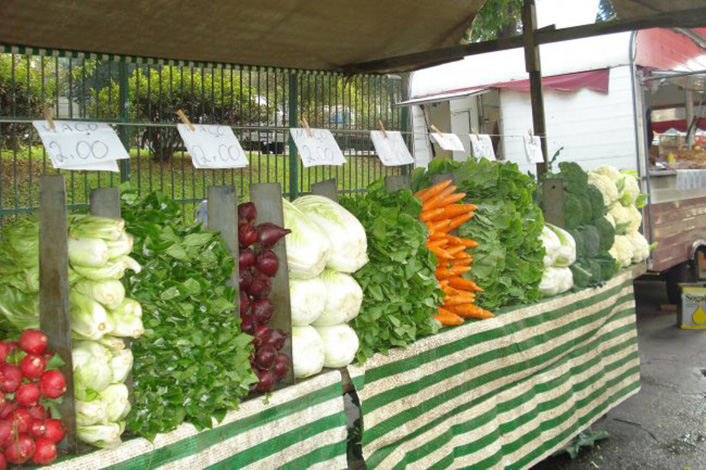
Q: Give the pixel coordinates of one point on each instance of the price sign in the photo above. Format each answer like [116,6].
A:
[391,148]
[212,146]
[449,142]
[533,149]
[74,145]
[482,146]
[317,148]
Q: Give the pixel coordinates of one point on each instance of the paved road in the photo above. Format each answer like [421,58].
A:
[664,426]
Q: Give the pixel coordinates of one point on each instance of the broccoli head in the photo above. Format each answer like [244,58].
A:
[606,232]
[591,240]
[575,178]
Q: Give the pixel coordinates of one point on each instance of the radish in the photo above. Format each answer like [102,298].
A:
[260,286]
[5,431]
[11,377]
[262,334]
[281,366]
[246,258]
[28,394]
[9,407]
[45,452]
[52,384]
[13,345]
[262,311]
[54,429]
[33,342]
[37,428]
[267,381]
[277,338]
[247,235]
[266,356]
[2,401]
[21,449]
[266,262]
[38,412]
[3,462]
[247,212]
[33,366]
[21,419]
[269,234]
[4,351]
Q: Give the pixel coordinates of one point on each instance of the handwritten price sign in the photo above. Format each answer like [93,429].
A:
[391,148]
[319,148]
[74,145]
[533,149]
[449,142]
[214,147]
[482,146]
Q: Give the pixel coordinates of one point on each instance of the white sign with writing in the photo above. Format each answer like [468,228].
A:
[75,145]
[482,146]
[213,146]
[533,149]
[317,147]
[391,148]
[449,142]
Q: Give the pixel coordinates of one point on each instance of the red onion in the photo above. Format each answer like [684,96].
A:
[247,324]
[277,338]
[247,235]
[247,212]
[266,262]
[260,286]
[246,259]
[244,300]
[267,381]
[281,367]
[262,334]
[269,234]
[265,356]
[262,311]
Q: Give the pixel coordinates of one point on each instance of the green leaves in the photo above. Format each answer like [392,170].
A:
[400,291]
[192,363]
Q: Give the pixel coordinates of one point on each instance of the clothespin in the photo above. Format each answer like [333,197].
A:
[473,130]
[48,118]
[306,126]
[185,120]
[382,128]
[435,129]
[531,134]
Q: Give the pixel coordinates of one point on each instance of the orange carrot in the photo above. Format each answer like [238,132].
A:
[434,190]
[463,255]
[439,252]
[437,236]
[448,318]
[453,210]
[454,250]
[464,298]
[467,242]
[450,199]
[455,271]
[458,221]
[435,201]
[464,284]
[460,262]
[438,225]
[419,194]
[470,311]
[439,242]
[431,214]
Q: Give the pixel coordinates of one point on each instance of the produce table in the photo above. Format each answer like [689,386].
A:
[505,392]
[302,426]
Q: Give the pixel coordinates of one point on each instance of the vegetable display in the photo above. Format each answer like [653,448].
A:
[30,388]
[257,265]
[192,363]
[400,290]
[441,215]
[507,263]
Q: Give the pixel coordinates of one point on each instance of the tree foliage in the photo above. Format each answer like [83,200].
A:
[497,19]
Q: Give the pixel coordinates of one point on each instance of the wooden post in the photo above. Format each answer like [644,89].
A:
[393,183]
[553,201]
[534,68]
[54,316]
[268,200]
[328,188]
[223,218]
[105,202]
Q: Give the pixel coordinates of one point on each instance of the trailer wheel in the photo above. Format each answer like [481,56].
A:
[678,274]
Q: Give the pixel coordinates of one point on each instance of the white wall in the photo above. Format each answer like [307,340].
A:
[594,128]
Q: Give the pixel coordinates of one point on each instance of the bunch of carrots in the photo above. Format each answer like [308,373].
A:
[441,213]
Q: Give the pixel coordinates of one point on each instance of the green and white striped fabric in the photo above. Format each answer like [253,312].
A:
[502,393]
[300,427]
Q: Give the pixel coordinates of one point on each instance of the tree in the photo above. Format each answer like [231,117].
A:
[497,19]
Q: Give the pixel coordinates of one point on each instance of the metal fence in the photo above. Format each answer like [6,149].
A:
[141,100]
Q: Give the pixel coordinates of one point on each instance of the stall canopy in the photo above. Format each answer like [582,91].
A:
[636,8]
[298,34]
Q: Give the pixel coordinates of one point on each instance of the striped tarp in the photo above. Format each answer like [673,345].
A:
[502,393]
[298,427]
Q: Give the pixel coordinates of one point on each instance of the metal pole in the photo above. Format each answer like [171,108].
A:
[534,68]
[124,116]
[405,118]
[690,128]
[293,122]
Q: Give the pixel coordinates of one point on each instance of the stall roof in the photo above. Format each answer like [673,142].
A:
[312,34]
[635,8]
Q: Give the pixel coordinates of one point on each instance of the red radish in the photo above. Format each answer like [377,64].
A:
[54,429]
[245,280]
[281,366]
[247,235]
[266,356]
[37,428]
[262,311]
[3,462]
[4,351]
[28,394]
[262,334]
[9,407]
[269,234]
[2,401]
[5,431]
[247,324]
[52,384]
[13,345]
[247,212]
[33,366]
[267,381]
[266,262]
[277,338]
[246,258]
[21,449]
[45,452]
[11,377]
[260,286]
[33,342]
[22,419]
[38,412]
